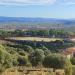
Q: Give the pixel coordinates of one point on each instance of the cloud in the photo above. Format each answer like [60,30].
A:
[69,2]
[35,2]
[26,2]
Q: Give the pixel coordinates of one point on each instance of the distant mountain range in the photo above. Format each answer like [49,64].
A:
[11,23]
[34,20]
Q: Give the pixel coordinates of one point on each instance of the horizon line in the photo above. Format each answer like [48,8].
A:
[36,17]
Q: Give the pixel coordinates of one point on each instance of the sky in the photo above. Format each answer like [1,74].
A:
[38,8]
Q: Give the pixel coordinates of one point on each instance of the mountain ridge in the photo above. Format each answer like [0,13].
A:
[34,20]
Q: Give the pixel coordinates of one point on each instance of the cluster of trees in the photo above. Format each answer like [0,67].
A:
[29,56]
[39,33]
[48,33]
[54,46]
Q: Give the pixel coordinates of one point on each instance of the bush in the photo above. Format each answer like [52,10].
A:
[54,61]
[22,60]
[68,68]
[73,60]
[5,59]
[22,53]
[29,49]
[37,57]
[73,68]
[58,61]
[46,51]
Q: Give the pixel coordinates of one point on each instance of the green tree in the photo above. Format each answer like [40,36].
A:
[58,61]
[46,51]
[54,61]
[23,60]
[73,60]
[37,57]
[29,49]
[43,33]
[5,58]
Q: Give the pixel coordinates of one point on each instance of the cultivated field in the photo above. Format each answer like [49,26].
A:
[34,39]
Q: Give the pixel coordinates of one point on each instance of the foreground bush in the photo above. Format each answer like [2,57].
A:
[58,61]
[5,59]
[22,60]
[54,61]
[37,57]
[73,60]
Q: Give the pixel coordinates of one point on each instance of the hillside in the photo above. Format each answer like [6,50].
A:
[34,53]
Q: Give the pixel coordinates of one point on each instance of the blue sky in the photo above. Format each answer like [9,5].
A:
[38,8]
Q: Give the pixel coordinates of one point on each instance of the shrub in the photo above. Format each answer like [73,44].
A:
[73,60]
[29,49]
[68,67]
[22,60]
[46,51]
[37,57]
[58,61]
[54,61]
[5,59]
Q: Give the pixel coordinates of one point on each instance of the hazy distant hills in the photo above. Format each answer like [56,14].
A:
[10,23]
[34,20]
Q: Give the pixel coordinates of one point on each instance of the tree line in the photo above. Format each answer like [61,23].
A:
[36,33]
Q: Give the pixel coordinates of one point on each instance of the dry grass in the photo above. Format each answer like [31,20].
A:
[28,71]
[34,39]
